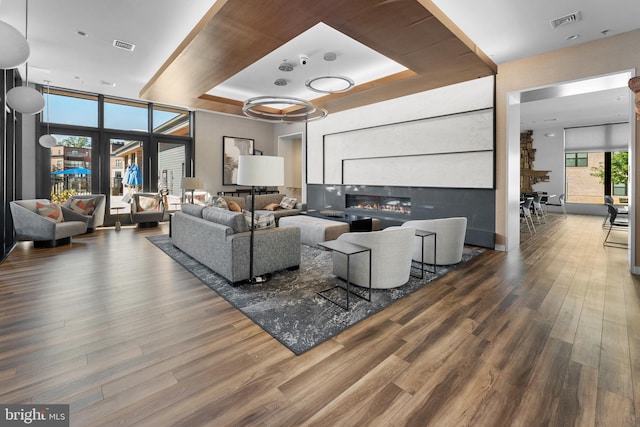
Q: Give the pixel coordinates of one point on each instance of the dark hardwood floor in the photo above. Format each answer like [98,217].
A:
[545,335]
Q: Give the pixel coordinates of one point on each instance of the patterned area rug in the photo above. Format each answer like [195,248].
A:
[288,306]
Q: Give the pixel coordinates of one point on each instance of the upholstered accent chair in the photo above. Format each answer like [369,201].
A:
[147,209]
[91,205]
[391,251]
[450,235]
[37,220]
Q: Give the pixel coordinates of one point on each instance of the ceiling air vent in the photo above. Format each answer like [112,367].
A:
[565,20]
[124,45]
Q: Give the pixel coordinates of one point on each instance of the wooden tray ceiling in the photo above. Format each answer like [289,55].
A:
[236,33]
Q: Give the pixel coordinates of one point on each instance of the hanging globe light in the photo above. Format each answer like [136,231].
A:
[25,99]
[14,49]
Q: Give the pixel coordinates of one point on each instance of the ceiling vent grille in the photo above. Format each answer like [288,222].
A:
[566,20]
[124,45]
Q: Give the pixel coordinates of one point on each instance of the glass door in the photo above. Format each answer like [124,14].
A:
[127,171]
[71,166]
[171,168]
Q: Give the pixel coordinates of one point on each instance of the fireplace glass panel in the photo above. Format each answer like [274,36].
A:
[387,204]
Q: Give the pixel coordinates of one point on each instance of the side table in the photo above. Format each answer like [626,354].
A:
[422,234]
[347,249]
[118,224]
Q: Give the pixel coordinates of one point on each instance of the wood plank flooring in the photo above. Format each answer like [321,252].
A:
[548,334]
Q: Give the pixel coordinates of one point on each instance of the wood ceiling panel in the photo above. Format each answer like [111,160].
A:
[236,33]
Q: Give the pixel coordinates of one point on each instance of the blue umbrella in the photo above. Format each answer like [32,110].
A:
[133,176]
[73,171]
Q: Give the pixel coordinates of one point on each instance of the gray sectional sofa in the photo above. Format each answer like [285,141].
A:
[219,239]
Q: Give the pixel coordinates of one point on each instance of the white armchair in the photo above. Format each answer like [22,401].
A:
[391,251]
[450,235]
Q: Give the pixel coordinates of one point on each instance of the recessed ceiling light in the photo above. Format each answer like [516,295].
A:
[286,66]
[549,135]
[280,82]
[105,83]
[82,33]
[572,37]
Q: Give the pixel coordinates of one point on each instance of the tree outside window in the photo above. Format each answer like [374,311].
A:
[619,172]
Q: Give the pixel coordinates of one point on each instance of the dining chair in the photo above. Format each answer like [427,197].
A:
[618,223]
[560,204]
[537,208]
[525,213]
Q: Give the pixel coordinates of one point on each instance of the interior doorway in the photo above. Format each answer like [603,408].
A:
[290,147]
[558,97]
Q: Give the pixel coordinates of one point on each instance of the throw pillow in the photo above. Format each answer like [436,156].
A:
[83,206]
[148,203]
[260,221]
[51,211]
[234,207]
[271,207]
[288,203]
[220,202]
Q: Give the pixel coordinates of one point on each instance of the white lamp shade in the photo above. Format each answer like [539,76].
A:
[25,100]
[14,48]
[48,141]
[260,171]
[191,183]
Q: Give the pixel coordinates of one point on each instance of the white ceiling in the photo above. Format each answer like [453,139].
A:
[505,30]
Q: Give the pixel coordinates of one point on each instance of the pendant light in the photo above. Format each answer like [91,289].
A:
[14,49]
[48,140]
[25,99]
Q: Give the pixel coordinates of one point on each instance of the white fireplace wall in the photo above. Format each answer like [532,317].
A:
[439,138]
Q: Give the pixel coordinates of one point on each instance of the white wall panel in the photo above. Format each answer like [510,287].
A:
[463,132]
[392,118]
[453,170]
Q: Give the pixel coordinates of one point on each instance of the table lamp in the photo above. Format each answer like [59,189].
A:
[190,183]
[259,171]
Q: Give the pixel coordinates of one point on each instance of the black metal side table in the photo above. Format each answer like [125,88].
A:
[348,249]
[422,234]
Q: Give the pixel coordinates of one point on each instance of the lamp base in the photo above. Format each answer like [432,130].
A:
[259,279]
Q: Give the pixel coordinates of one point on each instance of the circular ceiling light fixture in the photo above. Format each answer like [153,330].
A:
[14,48]
[329,84]
[282,109]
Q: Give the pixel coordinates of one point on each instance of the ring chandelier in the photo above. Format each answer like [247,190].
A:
[329,84]
[282,109]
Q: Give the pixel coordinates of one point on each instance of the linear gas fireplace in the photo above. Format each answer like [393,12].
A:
[387,204]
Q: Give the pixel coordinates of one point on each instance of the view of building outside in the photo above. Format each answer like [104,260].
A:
[584,178]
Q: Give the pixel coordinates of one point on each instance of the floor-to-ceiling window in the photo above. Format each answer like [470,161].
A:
[114,147]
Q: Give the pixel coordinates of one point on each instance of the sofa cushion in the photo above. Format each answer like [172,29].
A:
[51,211]
[191,209]
[221,203]
[240,201]
[271,207]
[148,203]
[225,217]
[288,203]
[83,206]
[260,221]
[234,207]
[263,200]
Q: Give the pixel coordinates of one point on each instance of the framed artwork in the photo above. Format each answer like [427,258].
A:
[232,149]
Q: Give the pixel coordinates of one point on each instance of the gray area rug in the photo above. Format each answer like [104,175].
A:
[288,306]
